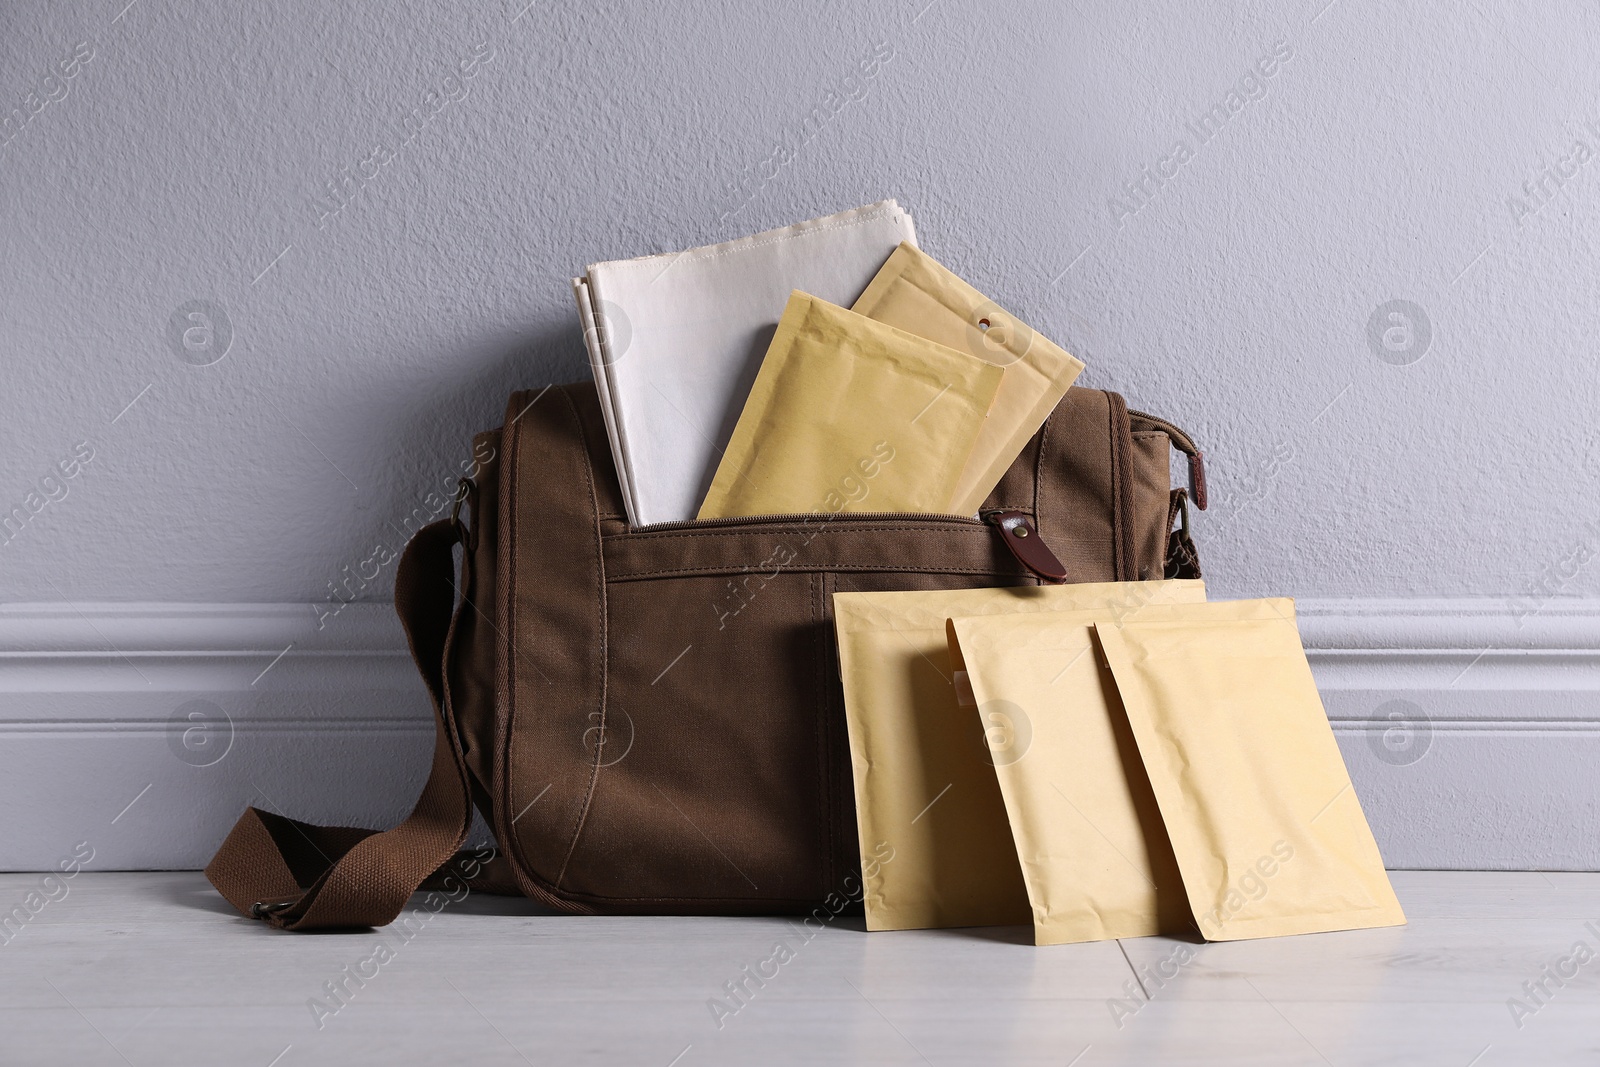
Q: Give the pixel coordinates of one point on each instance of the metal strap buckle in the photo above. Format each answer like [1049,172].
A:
[262,908]
[464,488]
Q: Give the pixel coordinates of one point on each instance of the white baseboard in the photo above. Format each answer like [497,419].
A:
[1504,698]
[1492,764]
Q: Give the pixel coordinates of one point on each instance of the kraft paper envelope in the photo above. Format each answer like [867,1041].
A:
[675,340]
[918,294]
[923,780]
[1086,827]
[848,414]
[1253,790]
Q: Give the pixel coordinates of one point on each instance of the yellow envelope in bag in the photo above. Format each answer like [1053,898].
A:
[1085,823]
[918,294]
[1254,794]
[925,789]
[849,414]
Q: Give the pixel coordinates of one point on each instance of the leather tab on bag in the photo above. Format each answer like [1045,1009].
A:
[1197,479]
[1022,538]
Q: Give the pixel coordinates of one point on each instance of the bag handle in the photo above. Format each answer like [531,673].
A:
[296,876]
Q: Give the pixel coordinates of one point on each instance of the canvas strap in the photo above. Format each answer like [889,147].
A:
[297,876]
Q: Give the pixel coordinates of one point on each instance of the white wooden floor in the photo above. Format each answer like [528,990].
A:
[154,969]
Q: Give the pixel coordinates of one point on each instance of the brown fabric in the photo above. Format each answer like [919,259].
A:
[651,718]
[1076,486]
[1151,495]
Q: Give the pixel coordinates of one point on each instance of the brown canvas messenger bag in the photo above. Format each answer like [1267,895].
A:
[650,719]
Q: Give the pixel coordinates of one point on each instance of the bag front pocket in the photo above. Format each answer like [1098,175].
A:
[775,544]
[721,778]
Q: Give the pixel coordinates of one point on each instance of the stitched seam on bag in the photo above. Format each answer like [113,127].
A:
[506,582]
[1111,448]
[824,779]
[827,675]
[1038,472]
[514,845]
[860,526]
[603,651]
[447,707]
[650,261]
[1122,510]
[848,568]
[1128,507]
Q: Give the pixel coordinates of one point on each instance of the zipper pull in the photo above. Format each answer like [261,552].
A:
[1022,538]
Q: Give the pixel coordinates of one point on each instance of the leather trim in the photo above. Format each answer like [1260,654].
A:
[1021,536]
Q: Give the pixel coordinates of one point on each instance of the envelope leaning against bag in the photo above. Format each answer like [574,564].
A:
[923,778]
[1260,810]
[1085,823]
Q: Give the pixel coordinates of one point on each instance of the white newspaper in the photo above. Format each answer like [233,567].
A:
[675,341]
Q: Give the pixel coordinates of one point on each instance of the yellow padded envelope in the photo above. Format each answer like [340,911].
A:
[848,414]
[918,294]
[1253,790]
[924,784]
[1085,824]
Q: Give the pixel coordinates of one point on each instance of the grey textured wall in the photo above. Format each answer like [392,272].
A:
[386,286]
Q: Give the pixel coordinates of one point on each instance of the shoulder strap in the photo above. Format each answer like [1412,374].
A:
[301,877]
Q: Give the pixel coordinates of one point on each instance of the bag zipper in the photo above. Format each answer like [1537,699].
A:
[1184,442]
[1186,445]
[791,518]
[1015,529]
